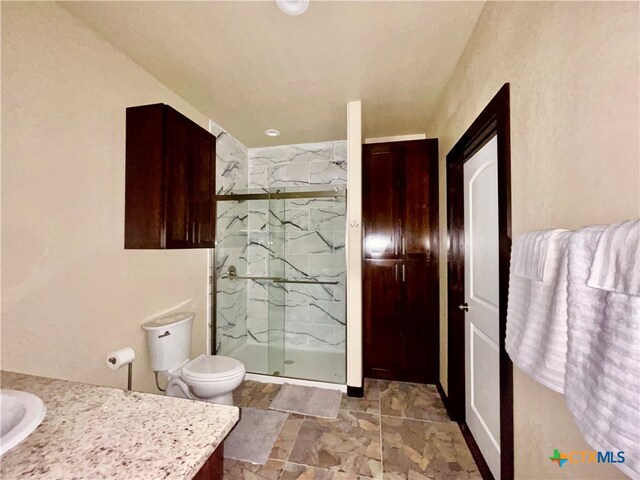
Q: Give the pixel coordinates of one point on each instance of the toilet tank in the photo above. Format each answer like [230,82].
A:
[169,340]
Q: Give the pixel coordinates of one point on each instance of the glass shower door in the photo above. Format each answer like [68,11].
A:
[280,281]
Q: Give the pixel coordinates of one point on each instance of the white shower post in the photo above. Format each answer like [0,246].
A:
[354,247]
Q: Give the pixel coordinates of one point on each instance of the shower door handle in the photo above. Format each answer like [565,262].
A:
[232,272]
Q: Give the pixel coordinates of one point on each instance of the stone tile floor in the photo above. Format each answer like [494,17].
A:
[397,431]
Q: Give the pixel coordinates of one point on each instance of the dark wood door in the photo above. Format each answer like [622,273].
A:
[420,325]
[202,190]
[178,161]
[382,179]
[400,199]
[144,195]
[418,160]
[382,319]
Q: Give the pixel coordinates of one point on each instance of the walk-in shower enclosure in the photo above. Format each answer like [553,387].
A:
[280,275]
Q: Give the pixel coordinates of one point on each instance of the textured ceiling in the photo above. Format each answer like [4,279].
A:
[250,67]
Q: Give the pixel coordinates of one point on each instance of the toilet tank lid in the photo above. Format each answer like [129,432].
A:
[173,320]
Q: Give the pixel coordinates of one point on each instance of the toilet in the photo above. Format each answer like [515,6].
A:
[210,378]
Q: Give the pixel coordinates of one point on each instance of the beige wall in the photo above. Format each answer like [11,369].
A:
[574,74]
[70,292]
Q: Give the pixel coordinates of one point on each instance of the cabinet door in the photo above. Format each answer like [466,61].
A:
[380,203]
[383,318]
[178,150]
[419,203]
[202,190]
[144,217]
[420,327]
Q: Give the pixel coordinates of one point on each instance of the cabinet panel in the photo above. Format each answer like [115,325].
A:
[202,191]
[170,180]
[401,320]
[419,234]
[400,199]
[420,326]
[213,468]
[144,199]
[380,202]
[178,159]
[383,317]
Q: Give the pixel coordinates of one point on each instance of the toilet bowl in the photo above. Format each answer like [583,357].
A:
[210,378]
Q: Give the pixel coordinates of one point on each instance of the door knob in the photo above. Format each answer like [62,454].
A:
[464,306]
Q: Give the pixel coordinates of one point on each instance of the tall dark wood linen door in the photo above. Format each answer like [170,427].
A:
[381,181]
[381,317]
[419,204]
[400,219]
[420,325]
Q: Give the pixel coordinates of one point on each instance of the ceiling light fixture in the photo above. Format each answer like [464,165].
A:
[272,132]
[293,7]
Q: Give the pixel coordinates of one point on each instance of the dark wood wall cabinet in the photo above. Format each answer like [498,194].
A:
[170,180]
[400,220]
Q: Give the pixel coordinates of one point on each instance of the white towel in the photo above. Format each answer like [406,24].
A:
[602,381]
[530,254]
[616,263]
[536,338]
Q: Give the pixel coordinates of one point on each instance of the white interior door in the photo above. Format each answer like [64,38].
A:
[482,374]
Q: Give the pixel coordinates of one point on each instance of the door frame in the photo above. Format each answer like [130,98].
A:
[493,120]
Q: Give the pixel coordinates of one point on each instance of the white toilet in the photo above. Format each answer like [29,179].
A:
[210,378]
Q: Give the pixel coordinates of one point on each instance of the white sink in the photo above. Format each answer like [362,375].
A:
[20,414]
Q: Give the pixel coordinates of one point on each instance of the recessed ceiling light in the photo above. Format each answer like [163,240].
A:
[272,132]
[293,7]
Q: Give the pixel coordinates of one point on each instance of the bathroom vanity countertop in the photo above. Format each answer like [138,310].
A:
[92,432]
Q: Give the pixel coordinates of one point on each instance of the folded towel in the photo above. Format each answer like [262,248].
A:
[616,263]
[602,381]
[530,254]
[536,338]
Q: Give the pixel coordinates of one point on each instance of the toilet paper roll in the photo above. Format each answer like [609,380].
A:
[121,357]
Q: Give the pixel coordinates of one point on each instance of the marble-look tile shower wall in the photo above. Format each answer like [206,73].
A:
[232,161]
[308,238]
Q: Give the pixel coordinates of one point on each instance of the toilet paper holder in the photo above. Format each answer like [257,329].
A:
[129,371]
[120,358]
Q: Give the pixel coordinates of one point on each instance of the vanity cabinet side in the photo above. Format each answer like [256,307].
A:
[213,469]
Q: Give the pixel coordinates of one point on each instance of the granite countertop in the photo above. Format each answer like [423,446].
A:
[92,432]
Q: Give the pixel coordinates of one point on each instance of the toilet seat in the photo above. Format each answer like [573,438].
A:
[212,368]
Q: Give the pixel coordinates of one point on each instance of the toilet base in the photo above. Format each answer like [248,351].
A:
[178,388]
[224,399]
